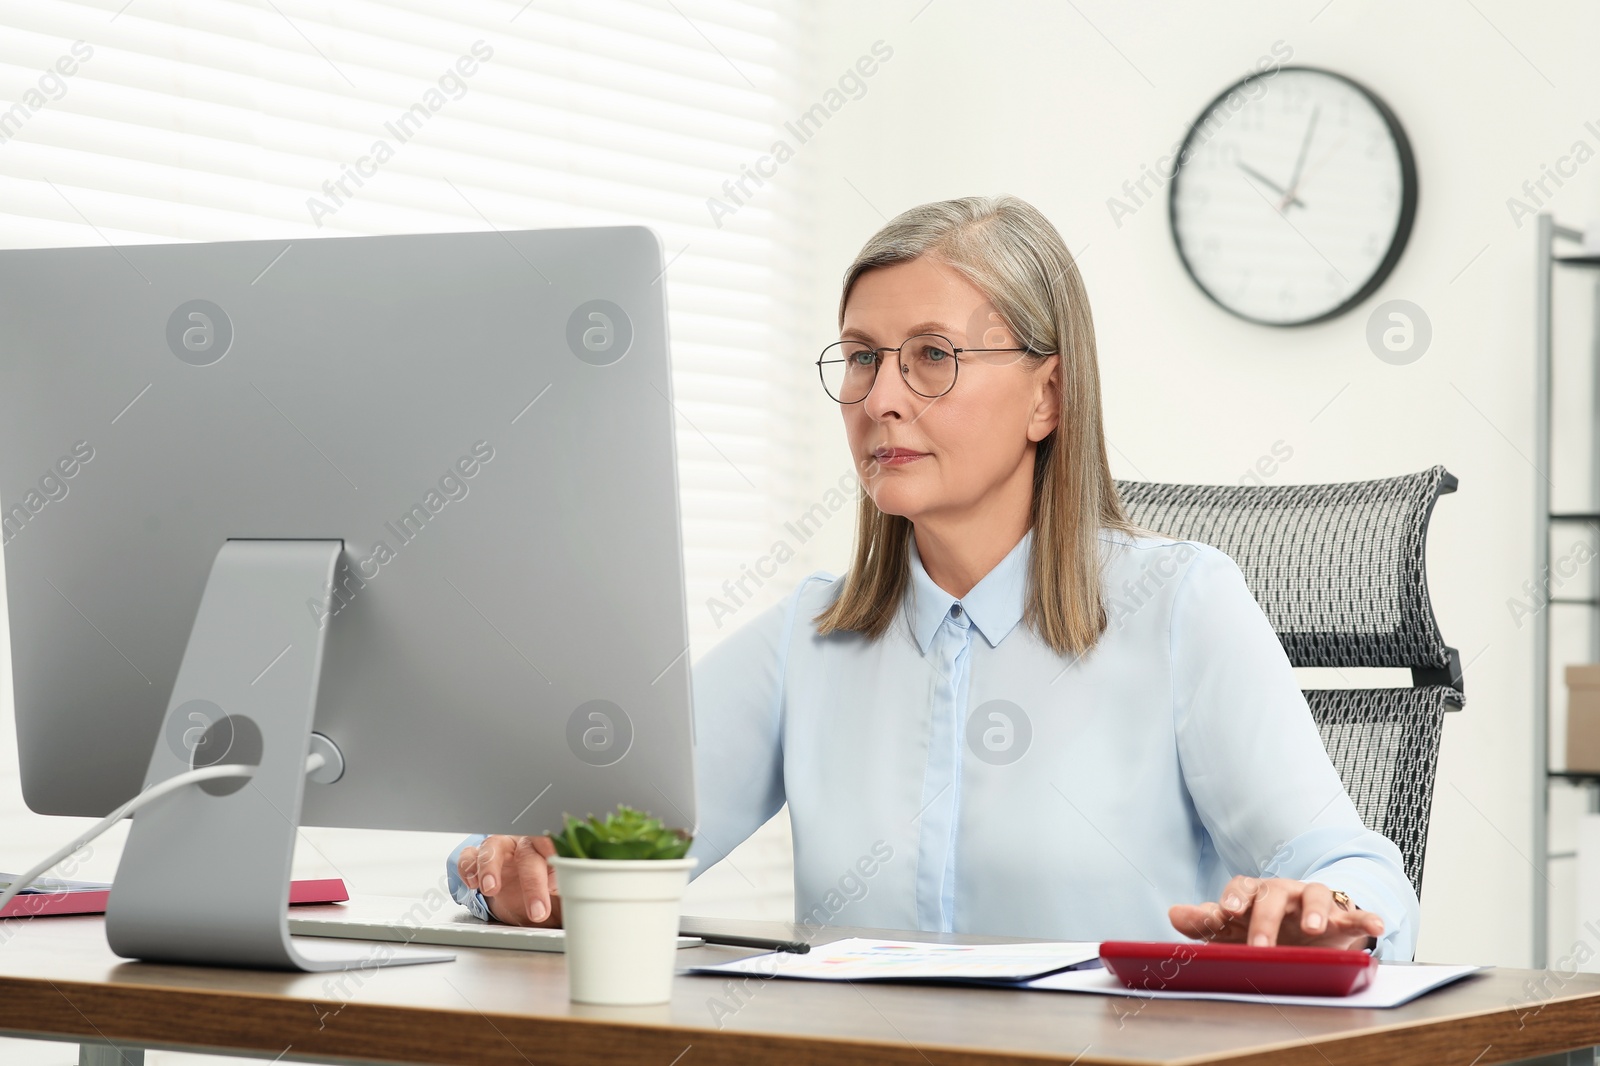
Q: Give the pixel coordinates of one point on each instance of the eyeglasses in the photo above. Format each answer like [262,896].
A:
[928,362]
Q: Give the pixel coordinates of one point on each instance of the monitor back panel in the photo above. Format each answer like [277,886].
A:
[484,419]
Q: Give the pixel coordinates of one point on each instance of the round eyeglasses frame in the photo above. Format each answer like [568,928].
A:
[905,371]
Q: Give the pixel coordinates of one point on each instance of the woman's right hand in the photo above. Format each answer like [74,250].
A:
[511,872]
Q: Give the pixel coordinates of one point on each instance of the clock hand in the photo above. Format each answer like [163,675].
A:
[1305,145]
[1269,183]
[1317,165]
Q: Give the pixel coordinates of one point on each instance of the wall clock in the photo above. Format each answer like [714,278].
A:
[1293,196]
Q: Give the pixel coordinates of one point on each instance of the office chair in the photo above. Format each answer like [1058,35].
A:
[1339,570]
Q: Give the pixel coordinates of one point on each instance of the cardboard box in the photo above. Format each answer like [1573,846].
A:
[1583,717]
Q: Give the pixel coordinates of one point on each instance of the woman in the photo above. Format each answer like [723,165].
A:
[1017,713]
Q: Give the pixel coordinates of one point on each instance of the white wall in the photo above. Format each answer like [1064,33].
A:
[1062,103]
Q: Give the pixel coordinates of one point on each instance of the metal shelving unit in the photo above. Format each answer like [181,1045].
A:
[1550,232]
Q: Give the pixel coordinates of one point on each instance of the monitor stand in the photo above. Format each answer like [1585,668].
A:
[204,876]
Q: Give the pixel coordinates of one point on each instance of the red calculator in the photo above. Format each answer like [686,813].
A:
[1201,967]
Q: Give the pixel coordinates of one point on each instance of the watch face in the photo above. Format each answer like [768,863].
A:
[1293,196]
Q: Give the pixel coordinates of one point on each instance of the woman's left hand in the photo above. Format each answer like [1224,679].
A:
[1276,910]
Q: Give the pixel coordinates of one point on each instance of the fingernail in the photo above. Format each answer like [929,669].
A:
[1259,940]
[1233,903]
[538,910]
[1313,921]
[489,884]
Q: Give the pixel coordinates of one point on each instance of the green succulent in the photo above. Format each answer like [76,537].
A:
[626,834]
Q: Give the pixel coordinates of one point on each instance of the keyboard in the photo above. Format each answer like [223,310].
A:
[392,919]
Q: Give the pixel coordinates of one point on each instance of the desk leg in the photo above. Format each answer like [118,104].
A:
[109,1055]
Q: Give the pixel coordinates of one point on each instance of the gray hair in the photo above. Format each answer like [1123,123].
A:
[1012,254]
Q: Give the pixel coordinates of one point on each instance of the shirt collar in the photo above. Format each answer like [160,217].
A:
[994,605]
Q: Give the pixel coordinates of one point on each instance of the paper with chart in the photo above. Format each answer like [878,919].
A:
[861,959]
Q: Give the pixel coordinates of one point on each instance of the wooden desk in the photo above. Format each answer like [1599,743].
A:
[59,980]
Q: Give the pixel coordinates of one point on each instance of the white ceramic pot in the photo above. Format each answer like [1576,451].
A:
[621,917]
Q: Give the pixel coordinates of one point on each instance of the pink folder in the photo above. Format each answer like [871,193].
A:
[89,897]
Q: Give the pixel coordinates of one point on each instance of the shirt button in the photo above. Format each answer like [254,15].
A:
[955,610]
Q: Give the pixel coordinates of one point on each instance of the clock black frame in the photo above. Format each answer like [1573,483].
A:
[1408,197]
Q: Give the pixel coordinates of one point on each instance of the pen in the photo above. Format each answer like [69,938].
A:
[798,947]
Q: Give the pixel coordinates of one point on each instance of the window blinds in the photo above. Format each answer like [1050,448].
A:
[130,121]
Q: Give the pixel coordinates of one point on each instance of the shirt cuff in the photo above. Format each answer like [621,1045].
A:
[469,898]
[1399,939]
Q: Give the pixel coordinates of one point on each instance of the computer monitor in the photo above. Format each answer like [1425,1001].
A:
[415,493]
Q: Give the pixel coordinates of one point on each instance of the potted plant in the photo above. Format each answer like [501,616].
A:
[622,880]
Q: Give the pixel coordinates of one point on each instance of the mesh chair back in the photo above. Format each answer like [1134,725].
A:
[1385,744]
[1339,570]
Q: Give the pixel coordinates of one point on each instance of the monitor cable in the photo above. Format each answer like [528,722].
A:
[314,762]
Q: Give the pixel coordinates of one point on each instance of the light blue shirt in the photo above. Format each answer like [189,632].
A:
[959,775]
